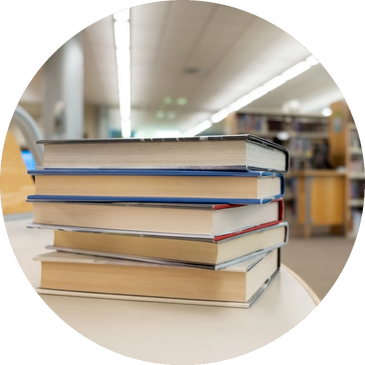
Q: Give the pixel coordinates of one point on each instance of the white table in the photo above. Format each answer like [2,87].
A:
[169,333]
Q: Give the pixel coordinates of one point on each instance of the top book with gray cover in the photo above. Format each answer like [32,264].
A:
[235,153]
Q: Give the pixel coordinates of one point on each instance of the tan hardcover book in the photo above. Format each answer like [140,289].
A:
[216,252]
[233,187]
[240,283]
[194,220]
[240,152]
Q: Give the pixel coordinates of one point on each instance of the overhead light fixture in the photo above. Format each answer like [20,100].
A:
[291,107]
[122,16]
[296,70]
[181,101]
[123,56]
[326,112]
[312,61]
[283,136]
[167,100]
[201,127]
[217,117]
[260,91]
[274,83]
[160,114]
[240,103]
[122,35]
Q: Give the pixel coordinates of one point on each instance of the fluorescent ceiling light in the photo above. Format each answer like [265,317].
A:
[181,101]
[123,56]
[124,76]
[201,127]
[217,117]
[240,103]
[326,112]
[122,35]
[126,127]
[311,60]
[257,93]
[295,70]
[167,99]
[274,83]
[122,16]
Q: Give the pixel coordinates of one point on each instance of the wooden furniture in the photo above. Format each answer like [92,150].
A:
[345,150]
[160,332]
[15,183]
[320,199]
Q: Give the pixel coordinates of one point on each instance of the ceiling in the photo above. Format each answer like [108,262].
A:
[231,52]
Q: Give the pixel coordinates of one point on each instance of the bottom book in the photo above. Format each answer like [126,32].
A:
[238,285]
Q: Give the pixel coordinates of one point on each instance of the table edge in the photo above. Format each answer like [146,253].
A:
[305,285]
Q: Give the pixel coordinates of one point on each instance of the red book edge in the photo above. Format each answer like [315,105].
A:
[264,225]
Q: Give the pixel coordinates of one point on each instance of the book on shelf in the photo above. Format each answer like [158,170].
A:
[356,165]
[301,147]
[309,124]
[85,275]
[354,139]
[357,189]
[356,215]
[172,186]
[238,152]
[195,220]
[275,124]
[254,123]
[216,253]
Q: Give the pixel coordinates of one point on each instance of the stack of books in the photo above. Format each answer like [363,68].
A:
[189,220]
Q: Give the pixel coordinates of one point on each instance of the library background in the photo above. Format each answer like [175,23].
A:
[180,69]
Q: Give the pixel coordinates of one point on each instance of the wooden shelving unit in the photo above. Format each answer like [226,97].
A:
[346,152]
[354,155]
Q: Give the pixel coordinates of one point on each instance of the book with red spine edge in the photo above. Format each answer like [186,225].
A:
[254,228]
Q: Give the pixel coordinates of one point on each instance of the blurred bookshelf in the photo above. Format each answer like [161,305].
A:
[298,133]
[316,143]
[356,176]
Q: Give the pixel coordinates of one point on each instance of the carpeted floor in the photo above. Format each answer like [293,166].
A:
[318,260]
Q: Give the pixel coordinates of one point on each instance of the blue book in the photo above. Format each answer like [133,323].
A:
[157,186]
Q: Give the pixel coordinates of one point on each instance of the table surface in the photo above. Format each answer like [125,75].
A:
[168,333]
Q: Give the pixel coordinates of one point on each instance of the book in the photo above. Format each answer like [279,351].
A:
[171,186]
[237,152]
[240,283]
[216,253]
[188,220]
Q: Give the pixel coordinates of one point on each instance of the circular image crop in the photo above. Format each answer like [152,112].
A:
[182,182]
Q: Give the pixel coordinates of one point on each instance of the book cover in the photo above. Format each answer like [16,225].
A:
[154,172]
[64,257]
[214,239]
[251,139]
[217,266]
